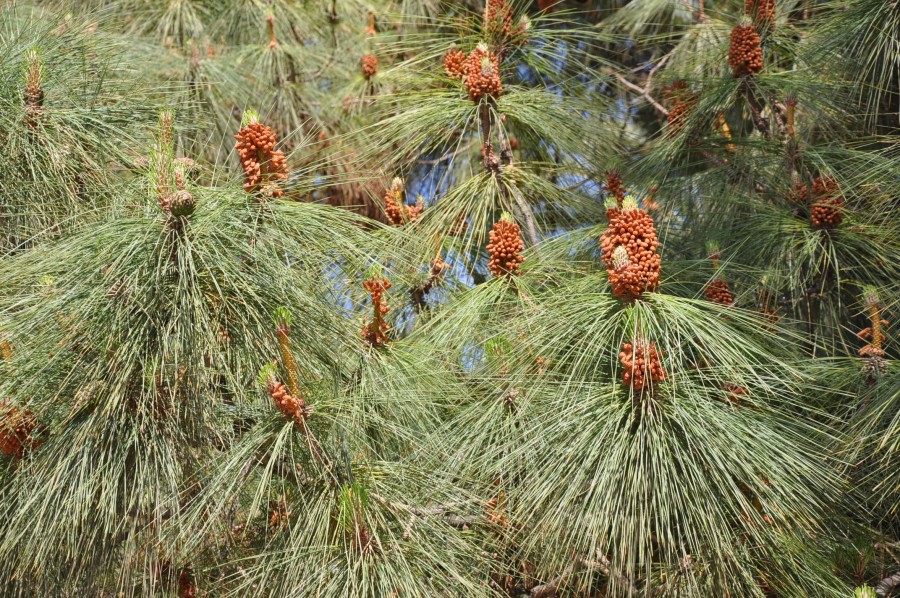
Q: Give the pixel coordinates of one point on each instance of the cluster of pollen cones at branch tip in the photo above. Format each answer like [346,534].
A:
[498,22]
[761,11]
[505,247]
[369,65]
[479,71]
[375,331]
[629,245]
[292,407]
[745,51]
[681,101]
[396,212]
[264,166]
[823,200]
[641,366]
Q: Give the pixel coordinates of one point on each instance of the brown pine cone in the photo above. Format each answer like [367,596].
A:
[762,11]
[369,65]
[483,74]
[264,166]
[745,52]
[505,248]
[631,228]
[641,366]
[717,291]
[455,64]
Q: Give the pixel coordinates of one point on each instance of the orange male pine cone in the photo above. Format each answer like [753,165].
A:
[292,407]
[375,332]
[505,248]
[717,291]
[264,166]
[498,17]
[641,367]
[369,65]
[681,101]
[615,186]
[395,210]
[762,11]
[483,74]
[745,52]
[635,268]
[455,64]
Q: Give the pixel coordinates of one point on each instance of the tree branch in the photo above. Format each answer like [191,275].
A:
[643,92]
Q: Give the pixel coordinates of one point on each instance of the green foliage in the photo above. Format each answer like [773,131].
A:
[347,384]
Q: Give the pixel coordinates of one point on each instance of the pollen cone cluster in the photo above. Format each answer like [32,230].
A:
[505,248]
[264,166]
[498,17]
[375,332]
[626,281]
[16,431]
[395,210]
[292,407]
[745,52]
[826,210]
[615,186]
[641,367]
[717,291]
[762,11]
[369,65]
[483,74]
[630,243]
[455,64]
[823,200]
[681,102]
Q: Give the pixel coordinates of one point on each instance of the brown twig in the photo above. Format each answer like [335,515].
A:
[643,92]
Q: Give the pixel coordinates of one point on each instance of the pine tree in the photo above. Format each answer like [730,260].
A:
[477,298]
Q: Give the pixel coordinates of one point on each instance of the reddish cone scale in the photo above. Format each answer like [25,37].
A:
[264,166]
[483,74]
[641,367]
[369,65]
[505,248]
[631,228]
[375,332]
[455,64]
[745,52]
